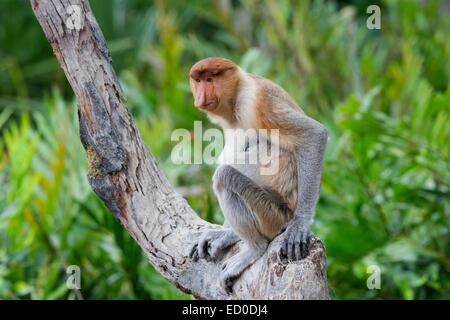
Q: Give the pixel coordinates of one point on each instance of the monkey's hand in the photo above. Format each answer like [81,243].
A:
[294,245]
[212,243]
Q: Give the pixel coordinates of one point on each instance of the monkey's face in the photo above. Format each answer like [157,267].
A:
[204,92]
[209,79]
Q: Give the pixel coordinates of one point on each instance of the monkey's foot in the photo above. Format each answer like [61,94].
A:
[233,268]
[213,243]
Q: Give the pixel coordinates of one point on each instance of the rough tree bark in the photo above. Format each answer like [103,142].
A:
[125,175]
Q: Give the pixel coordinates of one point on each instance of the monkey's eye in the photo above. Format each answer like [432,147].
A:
[208,79]
[197,80]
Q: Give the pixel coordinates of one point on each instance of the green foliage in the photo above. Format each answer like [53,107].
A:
[50,219]
[383,94]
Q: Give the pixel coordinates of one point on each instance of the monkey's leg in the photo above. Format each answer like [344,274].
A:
[234,266]
[212,243]
[267,209]
[243,221]
[248,209]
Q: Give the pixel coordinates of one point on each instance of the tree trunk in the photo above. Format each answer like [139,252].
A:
[125,175]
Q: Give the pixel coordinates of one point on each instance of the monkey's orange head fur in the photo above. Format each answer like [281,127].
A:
[211,79]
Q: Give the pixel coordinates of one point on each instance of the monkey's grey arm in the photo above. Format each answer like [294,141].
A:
[310,154]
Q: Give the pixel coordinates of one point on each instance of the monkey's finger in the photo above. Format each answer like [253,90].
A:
[305,237]
[291,247]
[283,248]
[193,251]
[195,256]
[304,245]
[292,256]
[298,251]
[298,248]
[304,250]
[229,286]
[202,248]
[208,250]
[280,252]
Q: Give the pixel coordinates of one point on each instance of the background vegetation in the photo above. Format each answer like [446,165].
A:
[383,94]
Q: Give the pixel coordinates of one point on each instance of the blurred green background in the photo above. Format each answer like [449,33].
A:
[384,96]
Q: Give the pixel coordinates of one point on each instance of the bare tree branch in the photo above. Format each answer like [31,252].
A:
[125,175]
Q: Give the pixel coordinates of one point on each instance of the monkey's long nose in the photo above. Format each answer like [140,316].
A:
[200,99]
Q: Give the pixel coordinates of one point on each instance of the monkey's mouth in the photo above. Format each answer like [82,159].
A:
[208,106]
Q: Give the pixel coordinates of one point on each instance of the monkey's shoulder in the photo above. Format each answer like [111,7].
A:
[273,96]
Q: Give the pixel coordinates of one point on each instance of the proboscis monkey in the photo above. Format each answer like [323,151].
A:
[258,207]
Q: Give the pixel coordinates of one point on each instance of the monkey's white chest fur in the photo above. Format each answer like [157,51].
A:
[246,149]
[251,153]
[241,152]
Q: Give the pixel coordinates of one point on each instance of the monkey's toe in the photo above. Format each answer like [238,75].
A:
[229,285]
[193,254]
[231,271]
[217,249]
[228,281]
[213,252]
